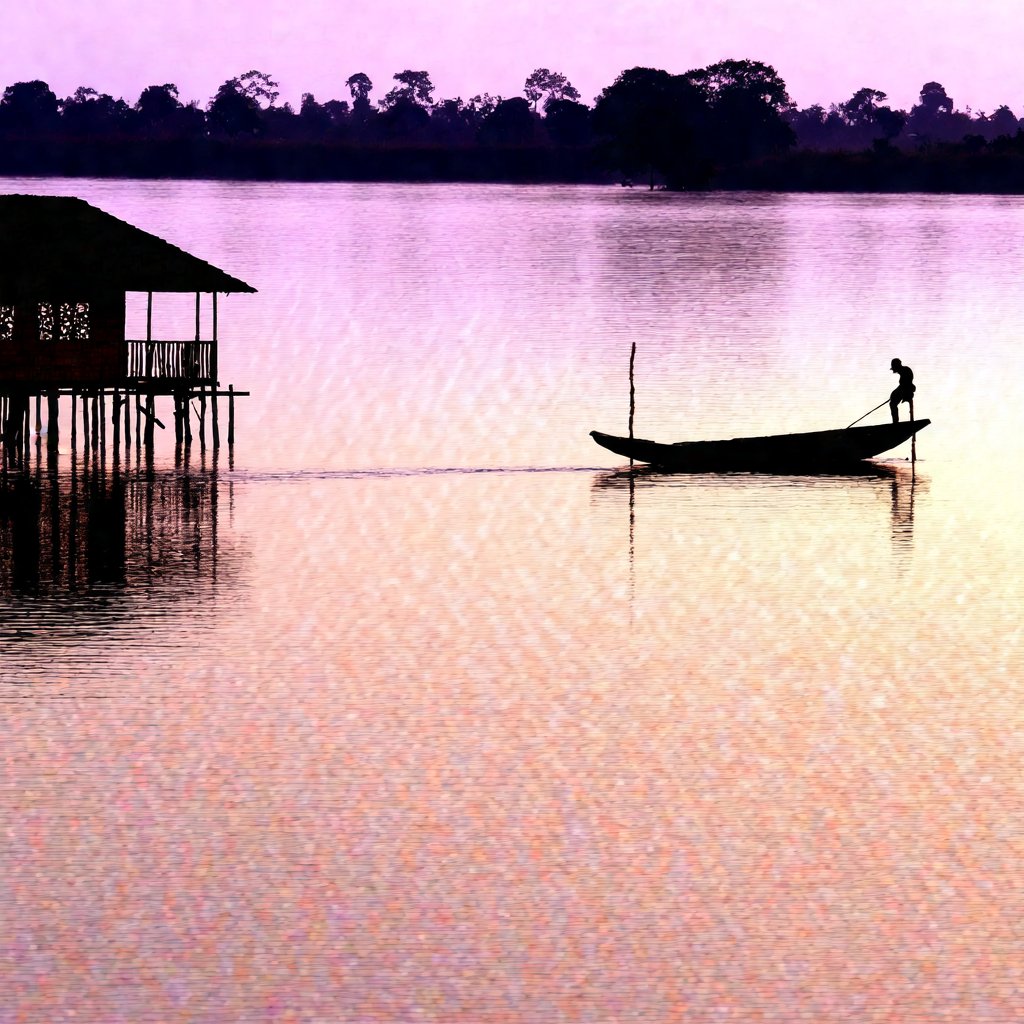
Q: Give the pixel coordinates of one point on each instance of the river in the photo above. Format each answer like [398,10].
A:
[415,707]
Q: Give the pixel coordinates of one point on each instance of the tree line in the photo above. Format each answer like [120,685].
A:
[731,124]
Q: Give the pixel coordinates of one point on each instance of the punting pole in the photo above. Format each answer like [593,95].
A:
[869,412]
[632,394]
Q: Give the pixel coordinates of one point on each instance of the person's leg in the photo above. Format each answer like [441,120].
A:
[894,404]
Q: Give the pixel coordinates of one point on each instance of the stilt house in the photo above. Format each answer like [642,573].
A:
[65,270]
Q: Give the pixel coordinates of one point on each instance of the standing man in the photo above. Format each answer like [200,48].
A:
[904,390]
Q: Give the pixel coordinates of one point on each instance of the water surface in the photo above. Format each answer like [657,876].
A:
[416,707]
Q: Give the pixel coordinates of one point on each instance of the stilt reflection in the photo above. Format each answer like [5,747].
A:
[89,526]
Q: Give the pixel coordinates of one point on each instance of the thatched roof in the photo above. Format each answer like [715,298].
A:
[60,246]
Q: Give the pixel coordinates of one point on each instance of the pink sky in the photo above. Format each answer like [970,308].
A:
[824,50]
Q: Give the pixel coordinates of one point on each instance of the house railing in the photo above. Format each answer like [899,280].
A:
[170,360]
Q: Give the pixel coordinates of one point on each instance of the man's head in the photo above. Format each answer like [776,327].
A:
[896,366]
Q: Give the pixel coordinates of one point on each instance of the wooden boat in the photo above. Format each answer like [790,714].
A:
[815,450]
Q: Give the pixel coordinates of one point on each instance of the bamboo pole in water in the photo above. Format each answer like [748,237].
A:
[632,394]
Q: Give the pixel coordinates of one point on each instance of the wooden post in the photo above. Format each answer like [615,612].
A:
[202,418]
[85,421]
[913,437]
[147,366]
[39,417]
[231,414]
[214,376]
[127,417]
[213,344]
[52,416]
[116,420]
[177,418]
[632,394]
[74,419]
[192,365]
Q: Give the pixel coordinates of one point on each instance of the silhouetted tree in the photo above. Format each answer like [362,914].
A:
[453,122]
[482,105]
[750,77]
[402,120]
[817,128]
[413,87]
[29,108]
[360,86]
[859,109]
[259,87]
[549,86]
[1002,121]
[158,102]
[933,119]
[231,112]
[158,113]
[568,123]
[315,121]
[747,100]
[511,123]
[649,121]
[890,122]
[89,114]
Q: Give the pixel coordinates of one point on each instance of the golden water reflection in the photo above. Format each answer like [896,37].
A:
[780,773]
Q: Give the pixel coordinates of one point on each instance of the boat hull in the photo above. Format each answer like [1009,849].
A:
[815,450]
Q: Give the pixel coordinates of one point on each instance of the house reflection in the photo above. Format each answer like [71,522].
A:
[95,527]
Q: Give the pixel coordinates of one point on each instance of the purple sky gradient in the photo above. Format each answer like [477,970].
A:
[824,50]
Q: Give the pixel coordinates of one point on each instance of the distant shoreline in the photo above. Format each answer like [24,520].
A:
[950,169]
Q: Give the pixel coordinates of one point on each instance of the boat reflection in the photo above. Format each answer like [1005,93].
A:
[897,480]
[90,527]
[639,475]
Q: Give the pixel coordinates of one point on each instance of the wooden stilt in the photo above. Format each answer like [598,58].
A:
[202,418]
[85,421]
[231,414]
[52,417]
[74,419]
[39,417]
[913,437]
[213,417]
[127,419]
